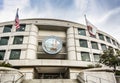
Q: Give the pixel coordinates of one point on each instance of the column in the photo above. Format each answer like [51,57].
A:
[32,42]
[71,44]
[28,72]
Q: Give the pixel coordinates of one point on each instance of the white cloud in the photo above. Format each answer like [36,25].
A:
[110,23]
[104,20]
[9,9]
[81,4]
[109,14]
[13,4]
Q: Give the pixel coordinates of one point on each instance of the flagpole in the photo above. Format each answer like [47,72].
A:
[16,20]
[85,19]
[17,11]
[89,39]
[85,16]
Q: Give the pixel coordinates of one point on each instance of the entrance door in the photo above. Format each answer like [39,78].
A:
[51,75]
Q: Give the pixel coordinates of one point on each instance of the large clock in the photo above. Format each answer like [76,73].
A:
[52,44]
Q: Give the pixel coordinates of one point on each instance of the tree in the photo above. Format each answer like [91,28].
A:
[4,64]
[110,58]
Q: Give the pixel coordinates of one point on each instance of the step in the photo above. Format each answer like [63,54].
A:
[51,81]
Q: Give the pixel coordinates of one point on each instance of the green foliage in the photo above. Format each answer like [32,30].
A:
[4,64]
[110,59]
[117,73]
[98,65]
[91,66]
[94,66]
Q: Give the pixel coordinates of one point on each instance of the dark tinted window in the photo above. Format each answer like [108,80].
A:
[22,27]
[4,40]
[81,32]
[2,54]
[18,40]
[101,37]
[85,56]
[83,43]
[15,54]
[94,45]
[7,28]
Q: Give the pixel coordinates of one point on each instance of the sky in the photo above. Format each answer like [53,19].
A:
[104,14]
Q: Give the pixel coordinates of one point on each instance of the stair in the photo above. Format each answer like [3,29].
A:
[51,81]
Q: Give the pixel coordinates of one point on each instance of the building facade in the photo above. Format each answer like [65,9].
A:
[51,48]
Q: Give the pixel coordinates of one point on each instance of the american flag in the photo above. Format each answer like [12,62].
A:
[17,24]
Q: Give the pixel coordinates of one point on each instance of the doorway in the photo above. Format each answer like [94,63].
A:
[51,73]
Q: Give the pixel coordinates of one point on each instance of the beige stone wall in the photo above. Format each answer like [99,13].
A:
[32,42]
[10,75]
[28,72]
[71,44]
[34,34]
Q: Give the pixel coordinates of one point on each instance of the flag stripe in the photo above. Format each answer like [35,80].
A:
[17,24]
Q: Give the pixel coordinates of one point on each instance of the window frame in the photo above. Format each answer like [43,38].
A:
[83,58]
[108,39]
[95,60]
[13,53]
[101,36]
[7,28]
[84,43]
[82,31]
[93,43]
[3,40]
[15,41]
[113,41]
[2,56]
[21,28]
[105,46]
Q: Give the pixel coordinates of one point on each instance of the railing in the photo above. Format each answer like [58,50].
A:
[80,79]
[12,78]
[2,78]
[21,78]
[100,79]
[117,79]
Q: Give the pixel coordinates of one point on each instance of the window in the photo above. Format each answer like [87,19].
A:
[81,32]
[96,57]
[4,40]
[116,50]
[101,37]
[18,40]
[83,43]
[108,39]
[22,28]
[7,28]
[118,44]
[94,45]
[2,54]
[15,54]
[103,46]
[110,47]
[93,36]
[85,56]
[113,42]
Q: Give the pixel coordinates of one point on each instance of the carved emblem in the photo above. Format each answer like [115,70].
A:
[52,44]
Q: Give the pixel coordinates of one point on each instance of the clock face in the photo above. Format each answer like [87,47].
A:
[52,45]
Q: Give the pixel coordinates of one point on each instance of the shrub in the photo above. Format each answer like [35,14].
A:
[4,64]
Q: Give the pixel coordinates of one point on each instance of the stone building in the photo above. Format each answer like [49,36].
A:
[51,48]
